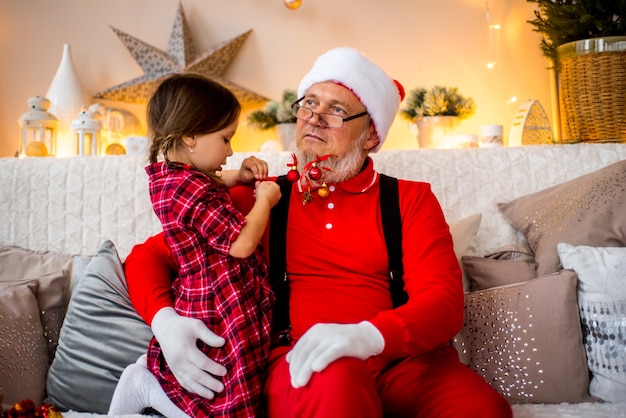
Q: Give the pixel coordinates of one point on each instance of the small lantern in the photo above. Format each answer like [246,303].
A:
[86,132]
[38,129]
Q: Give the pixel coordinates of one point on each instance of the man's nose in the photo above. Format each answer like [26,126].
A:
[316,119]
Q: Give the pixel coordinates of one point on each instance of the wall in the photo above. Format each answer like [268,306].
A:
[418,42]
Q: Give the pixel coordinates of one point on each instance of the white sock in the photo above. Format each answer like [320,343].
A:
[137,390]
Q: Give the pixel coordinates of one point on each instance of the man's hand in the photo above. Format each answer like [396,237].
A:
[177,336]
[324,343]
[252,168]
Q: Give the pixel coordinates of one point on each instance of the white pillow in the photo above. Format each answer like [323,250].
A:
[602,304]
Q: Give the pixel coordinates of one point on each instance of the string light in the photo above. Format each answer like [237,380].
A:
[492,43]
[492,65]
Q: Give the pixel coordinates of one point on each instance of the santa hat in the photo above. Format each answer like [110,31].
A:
[378,92]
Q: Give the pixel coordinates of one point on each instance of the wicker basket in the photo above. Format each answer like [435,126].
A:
[592,90]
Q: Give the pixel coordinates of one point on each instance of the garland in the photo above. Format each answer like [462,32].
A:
[27,409]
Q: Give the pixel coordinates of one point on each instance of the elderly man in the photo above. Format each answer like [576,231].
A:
[349,343]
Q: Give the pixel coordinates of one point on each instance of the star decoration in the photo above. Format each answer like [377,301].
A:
[180,57]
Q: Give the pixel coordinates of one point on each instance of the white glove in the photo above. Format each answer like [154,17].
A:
[324,343]
[177,336]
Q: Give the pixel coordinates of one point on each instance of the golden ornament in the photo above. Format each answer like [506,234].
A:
[115,149]
[36,149]
[292,4]
[323,191]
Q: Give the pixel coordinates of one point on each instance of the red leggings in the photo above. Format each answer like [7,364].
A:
[432,385]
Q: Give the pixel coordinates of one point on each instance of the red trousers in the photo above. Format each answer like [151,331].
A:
[433,385]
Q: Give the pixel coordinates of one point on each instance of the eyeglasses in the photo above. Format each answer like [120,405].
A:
[326,120]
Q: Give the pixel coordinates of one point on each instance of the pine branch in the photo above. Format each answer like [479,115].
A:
[563,21]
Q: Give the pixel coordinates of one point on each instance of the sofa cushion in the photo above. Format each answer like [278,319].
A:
[100,336]
[602,303]
[484,273]
[22,264]
[588,210]
[31,313]
[526,346]
[18,263]
[464,239]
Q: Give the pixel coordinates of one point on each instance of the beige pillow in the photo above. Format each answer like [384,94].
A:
[484,273]
[18,263]
[464,238]
[588,210]
[515,251]
[524,343]
[31,313]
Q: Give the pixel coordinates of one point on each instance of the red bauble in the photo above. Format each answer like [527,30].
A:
[315,173]
[293,175]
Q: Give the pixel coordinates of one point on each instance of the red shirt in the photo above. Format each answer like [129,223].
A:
[337,266]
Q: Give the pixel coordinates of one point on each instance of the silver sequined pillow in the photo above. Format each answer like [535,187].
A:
[602,302]
[31,313]
[526,346]
[588,210]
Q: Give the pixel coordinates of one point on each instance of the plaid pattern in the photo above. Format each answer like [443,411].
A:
[232,296]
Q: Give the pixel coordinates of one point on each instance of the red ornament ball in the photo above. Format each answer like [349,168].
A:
[293,175]
[315,173]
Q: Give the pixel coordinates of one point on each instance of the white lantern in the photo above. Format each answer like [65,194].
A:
[86,132]
[38,129]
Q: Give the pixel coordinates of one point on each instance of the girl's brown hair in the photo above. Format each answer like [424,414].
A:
[185,105]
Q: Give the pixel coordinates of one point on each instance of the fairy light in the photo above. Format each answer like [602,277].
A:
[492,43]
[492,64]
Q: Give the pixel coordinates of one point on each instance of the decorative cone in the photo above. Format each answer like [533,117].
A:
[66,93]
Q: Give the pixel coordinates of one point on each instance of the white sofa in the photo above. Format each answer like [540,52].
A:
[70,206]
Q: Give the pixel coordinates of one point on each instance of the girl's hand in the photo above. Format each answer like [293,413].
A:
[268,190]
[252,169]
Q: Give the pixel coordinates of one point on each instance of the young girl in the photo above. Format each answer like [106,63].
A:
[223,278]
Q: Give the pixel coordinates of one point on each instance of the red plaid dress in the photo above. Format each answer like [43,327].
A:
[231,295]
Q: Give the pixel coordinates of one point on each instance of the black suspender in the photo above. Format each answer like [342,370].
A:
[392,229]
[278,264]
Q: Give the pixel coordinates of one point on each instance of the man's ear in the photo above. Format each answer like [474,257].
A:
[372,140]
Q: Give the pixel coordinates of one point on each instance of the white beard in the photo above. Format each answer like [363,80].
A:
[340,168]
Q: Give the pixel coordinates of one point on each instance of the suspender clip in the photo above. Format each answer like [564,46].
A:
[395,275]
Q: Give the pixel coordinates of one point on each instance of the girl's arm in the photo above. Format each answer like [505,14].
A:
[267,195]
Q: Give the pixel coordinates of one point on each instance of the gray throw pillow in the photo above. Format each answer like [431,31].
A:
[100,336]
